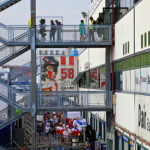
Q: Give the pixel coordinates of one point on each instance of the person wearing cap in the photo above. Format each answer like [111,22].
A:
[49,72]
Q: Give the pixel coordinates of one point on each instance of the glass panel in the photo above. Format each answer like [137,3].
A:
[102,81]
[148,79]
[124,76]
[137,80]
[144,80]
[128,80]
[94,81]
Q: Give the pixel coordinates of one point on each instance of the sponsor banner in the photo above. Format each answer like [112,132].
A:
[57,73]
[73,115]
[94,79]
[125,139]
[142,115]
[118,134]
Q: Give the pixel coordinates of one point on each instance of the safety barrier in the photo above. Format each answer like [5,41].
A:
[74,100]
[63,33]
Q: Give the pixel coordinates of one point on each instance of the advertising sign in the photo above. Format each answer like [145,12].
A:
[142,114]
[102,81]
[57,73]
[148,79]
[73,114]
[94,82]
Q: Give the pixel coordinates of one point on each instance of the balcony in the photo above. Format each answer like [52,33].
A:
[64,36]
[74,101]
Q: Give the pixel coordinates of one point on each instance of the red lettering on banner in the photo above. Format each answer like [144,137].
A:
[71,60]
[67,73]
[93,74]
[63,60]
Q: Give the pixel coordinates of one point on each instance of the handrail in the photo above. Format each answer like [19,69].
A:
[5,109]
[3,2]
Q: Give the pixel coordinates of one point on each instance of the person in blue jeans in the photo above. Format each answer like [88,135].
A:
[60,145]
[52,31]
[59,29]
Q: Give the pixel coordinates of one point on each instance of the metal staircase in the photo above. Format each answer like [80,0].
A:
[9,114]
[4,4]
[8,53]
[27,128]
[11,96]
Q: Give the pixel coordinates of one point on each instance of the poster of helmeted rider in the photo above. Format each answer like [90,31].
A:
[57,73]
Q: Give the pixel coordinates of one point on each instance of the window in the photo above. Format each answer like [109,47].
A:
[94,78]
[123,50]
[145,39]
[128,47]
[102,81]
[142,41]
[149,38]
[137,80]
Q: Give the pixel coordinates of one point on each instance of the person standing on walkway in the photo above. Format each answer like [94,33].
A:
[82,30]
[52,31]
[59,28]
[91,29]
[42,30]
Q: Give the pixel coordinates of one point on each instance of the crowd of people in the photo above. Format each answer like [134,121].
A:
[56,27]
[64,130]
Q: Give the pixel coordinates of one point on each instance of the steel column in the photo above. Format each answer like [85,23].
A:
[108,99]
[33,72]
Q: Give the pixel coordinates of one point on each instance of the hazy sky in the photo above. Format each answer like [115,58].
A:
[69,9]
[20,13]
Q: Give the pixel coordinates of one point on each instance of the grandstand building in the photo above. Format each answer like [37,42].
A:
[130,72]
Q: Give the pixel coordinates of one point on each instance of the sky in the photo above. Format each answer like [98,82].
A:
[19,14]
[69,9]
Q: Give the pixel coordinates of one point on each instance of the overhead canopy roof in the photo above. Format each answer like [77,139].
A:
[78,77]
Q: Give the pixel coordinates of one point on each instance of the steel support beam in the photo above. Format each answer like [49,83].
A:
[62,44]
[74,108]
[108,100]
[33,72]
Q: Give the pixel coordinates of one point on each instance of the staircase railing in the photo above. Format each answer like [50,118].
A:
[11,96]
[4,4]
[7,53]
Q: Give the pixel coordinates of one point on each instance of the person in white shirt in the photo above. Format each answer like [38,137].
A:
[74,122]
[47,128]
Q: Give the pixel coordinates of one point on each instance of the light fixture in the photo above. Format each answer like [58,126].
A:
[84,14]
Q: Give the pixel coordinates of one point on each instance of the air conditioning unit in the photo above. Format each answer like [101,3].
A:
[87,65]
